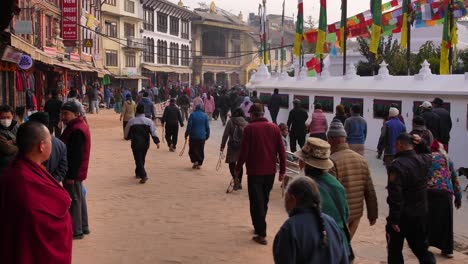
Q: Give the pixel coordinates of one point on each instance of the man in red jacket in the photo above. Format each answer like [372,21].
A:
[35,226]
[261,146]
[78,140]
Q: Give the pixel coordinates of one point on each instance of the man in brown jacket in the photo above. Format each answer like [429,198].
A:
[352,171]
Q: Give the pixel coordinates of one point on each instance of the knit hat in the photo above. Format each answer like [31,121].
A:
[393,112]
[426,105]
[336,130]
[256,109]
[70,106]
[438,101]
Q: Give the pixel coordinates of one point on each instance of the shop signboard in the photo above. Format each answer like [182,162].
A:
[11,55]
[70,19]
[25,63]
[23,27]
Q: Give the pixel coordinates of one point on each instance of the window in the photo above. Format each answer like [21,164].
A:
[48,30]
[185,29]
[129,6]
[130,60]
[162,52]
[326,102]
[237,50]
[111,58]
[148,16]
[148,54]
[111,29]
[162,22]
[265,98]
[174,26]
[111,2]
[185,55]
[381,107]
[174,52]
[349,102]
[129,30]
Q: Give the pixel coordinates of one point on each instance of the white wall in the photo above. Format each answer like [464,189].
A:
[459,133]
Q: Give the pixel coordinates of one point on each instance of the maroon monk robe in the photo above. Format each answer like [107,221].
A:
[35,225]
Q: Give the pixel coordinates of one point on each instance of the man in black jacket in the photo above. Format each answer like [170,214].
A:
[431,119]
[52,106]
[407,200]
[445,121]
[296,124]
[172,118]
[183,102]
[57,164]
[138,130]
[274,105]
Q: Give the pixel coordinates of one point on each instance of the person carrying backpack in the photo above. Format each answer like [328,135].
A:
[233,131]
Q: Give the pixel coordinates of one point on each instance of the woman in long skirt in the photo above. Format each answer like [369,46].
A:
[198,131]
[443,187]
[233,131]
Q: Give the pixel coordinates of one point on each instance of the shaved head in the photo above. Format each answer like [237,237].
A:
[30,135]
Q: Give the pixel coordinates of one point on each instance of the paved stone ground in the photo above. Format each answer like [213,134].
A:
[185,216]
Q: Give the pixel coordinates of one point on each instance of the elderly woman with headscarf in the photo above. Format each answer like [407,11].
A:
[309,235]
[233,131]
[245,106]
[198,132]
[314,157]
[442,187]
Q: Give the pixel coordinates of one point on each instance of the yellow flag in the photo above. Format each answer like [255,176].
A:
[375,39]
[444,58]
[321,36]
[404,31]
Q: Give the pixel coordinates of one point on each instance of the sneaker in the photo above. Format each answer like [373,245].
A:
[77,237]
[86,232]
[198,167]
[195,165]
[447,255]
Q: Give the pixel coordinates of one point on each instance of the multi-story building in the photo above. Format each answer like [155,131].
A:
[275,31]
[223,49]
[37,31]
[167,58]
[123,45]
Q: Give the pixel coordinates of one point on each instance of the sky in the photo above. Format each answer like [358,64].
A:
[311,7]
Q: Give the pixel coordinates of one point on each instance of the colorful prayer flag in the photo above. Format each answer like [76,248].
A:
[445,46]
[322,30]
[376,31]
[344,20]
[404,26]
[299,28]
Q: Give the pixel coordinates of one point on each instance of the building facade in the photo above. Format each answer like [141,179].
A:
[123,45]
[167,59]
[36,32]
[223,49]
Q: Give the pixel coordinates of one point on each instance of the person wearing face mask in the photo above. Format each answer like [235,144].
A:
[8,129]
[35,226]
[308,236]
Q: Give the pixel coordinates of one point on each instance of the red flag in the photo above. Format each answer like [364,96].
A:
[311,36]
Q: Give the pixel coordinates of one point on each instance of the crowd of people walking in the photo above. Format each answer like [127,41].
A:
[47,158]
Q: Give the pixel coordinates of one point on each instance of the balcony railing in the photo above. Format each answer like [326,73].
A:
[219,61]
[136,43]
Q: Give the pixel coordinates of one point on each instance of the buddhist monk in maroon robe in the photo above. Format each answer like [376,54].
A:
[35,226]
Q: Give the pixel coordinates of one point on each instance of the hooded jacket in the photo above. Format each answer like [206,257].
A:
[172,116]
[128,110]
[198,126]
[149,108]
[232,154]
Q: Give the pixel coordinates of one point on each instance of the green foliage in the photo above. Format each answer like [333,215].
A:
[395,56]
[463,56]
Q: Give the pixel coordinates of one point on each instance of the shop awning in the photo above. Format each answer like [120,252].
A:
[182,70]
[131,77]
[167,69]
[66,65]
[35,53]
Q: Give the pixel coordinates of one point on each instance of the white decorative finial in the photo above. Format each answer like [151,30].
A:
[383,71]
[425,71]
[261,75]
[303,73]
[350,72]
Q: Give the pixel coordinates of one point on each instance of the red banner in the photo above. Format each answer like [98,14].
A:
[70,19]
